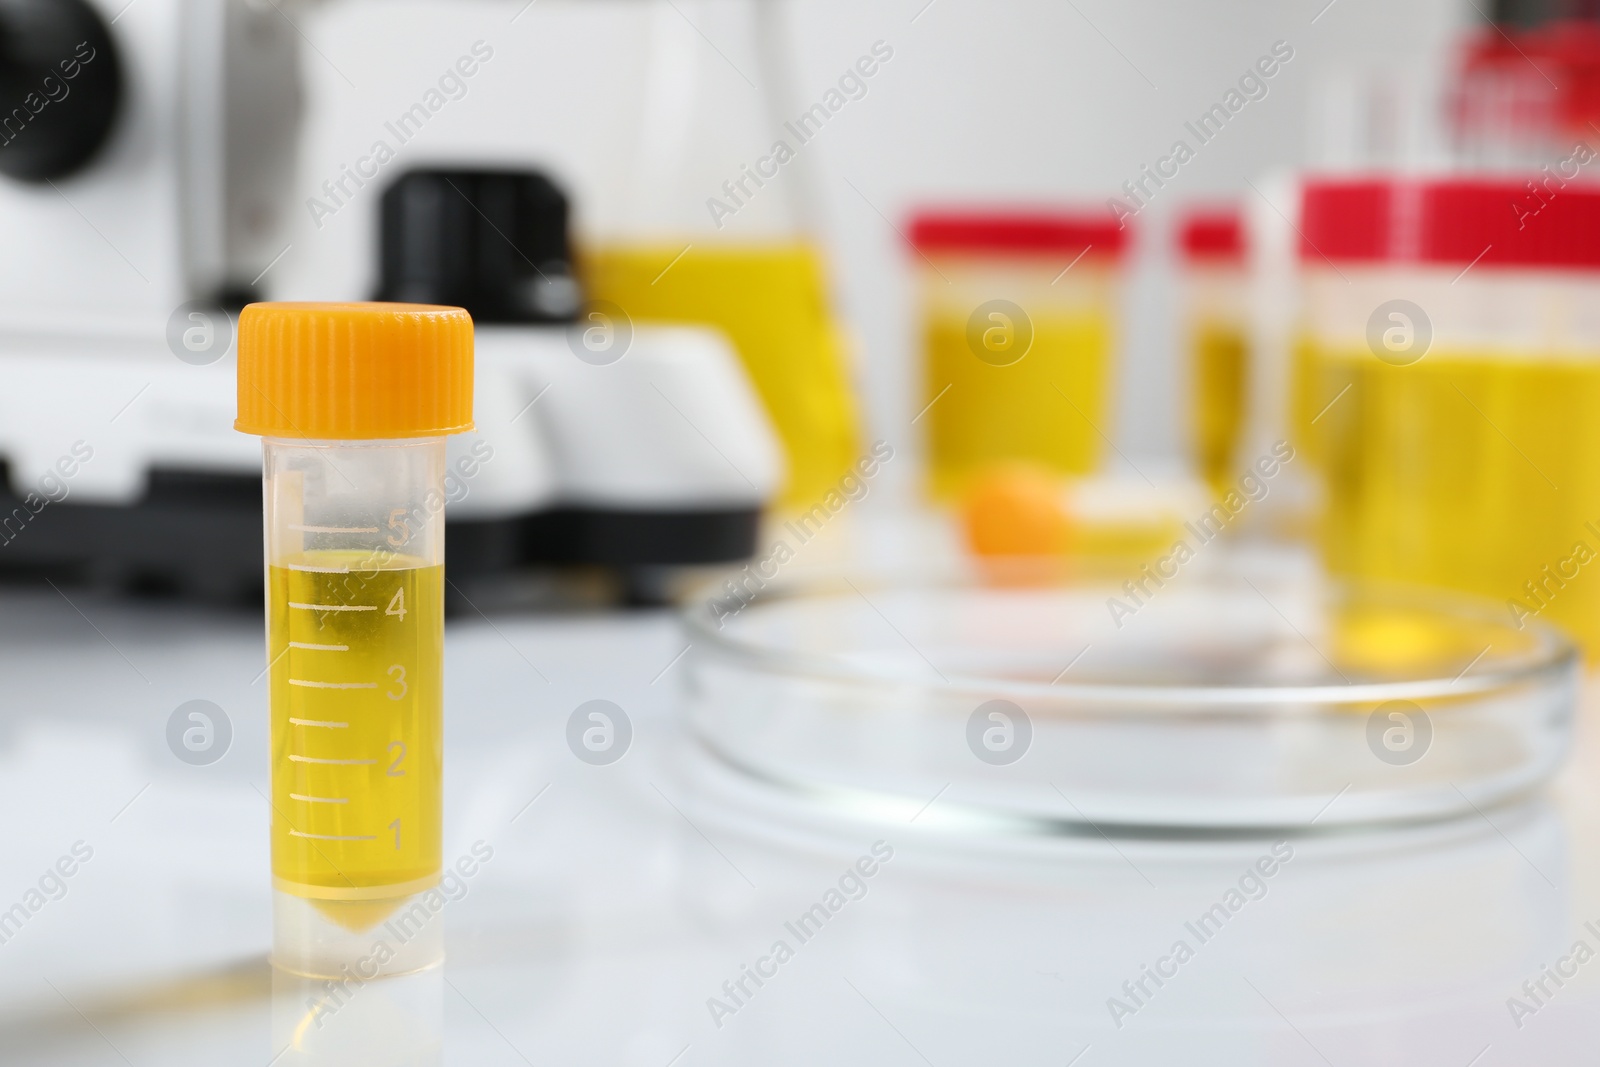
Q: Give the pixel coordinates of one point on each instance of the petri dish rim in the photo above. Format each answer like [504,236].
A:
[1552,655]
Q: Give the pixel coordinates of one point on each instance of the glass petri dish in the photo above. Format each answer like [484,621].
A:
[1038,703]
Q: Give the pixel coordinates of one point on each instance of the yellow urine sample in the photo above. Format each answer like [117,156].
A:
[356,700]
[1392,641]
[1048,407]
[771,300]
[1475,471]
[1219,352]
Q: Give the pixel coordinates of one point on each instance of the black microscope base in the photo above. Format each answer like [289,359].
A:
[200,535]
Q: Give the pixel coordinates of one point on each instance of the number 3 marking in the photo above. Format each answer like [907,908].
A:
[397,674]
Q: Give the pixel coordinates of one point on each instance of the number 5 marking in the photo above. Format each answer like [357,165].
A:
[399,527]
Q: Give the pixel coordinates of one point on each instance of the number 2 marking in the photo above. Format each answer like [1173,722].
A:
[394,767]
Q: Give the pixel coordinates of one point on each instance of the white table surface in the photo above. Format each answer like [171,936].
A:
[620,900]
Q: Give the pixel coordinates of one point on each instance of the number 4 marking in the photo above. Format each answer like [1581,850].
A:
[397,604]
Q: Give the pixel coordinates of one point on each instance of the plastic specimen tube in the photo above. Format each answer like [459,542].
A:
[354,402]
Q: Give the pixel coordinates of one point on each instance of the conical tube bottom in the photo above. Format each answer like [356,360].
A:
[357,940]
[357,916]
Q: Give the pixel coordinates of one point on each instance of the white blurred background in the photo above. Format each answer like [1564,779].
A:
[1005,100]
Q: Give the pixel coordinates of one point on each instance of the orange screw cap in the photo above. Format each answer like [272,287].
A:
[351,372]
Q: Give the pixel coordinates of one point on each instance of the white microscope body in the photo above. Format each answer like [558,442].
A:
[126,242]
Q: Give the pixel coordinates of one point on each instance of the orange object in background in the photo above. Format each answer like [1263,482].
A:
[1016,509]
[1021,509]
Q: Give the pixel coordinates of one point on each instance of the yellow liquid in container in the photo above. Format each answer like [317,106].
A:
[1220,354]
[1048,407]
[1446,472]
[356,699]
[771,302]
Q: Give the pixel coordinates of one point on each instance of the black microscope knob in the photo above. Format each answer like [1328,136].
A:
[60,87]
[492,241]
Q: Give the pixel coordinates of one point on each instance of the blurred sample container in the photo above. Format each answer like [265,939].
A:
[770,298]
[718,223]
[1018,313]
[1448,386]
[1216,332]
[1521,94]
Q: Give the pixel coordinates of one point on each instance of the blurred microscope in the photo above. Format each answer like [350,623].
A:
[146,175]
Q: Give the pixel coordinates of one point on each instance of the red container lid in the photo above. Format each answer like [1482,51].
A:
[1017,232]
[1549,75]
[1452,221]
[1213,234]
